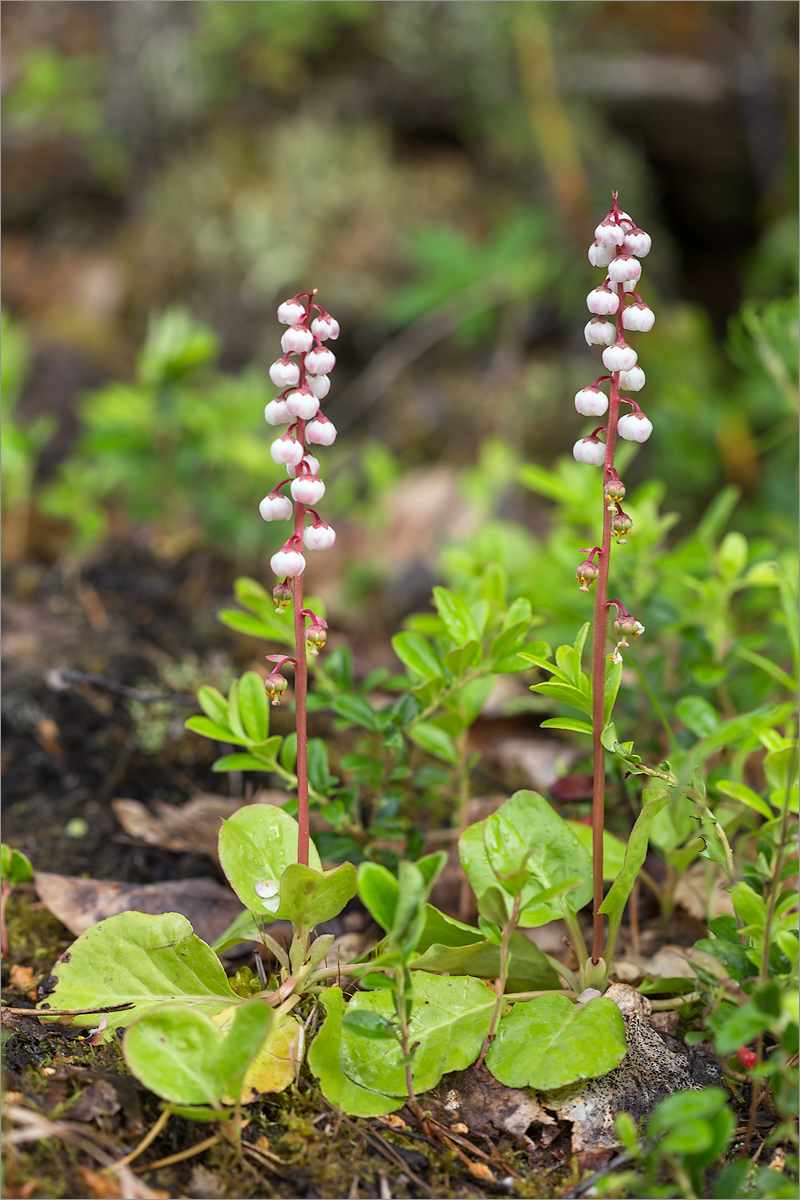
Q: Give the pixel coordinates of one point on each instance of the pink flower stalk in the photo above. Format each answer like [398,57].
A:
[618,247]
[305,381]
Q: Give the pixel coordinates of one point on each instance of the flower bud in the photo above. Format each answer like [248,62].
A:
[303,404]
[609,233]
[603,301]
[586,573]
[634,427]
[591,402]
[286,449]
[290,312]
[297,340]
[321,431]
[621,525]
[319,362]
[306,489]
[274,685]
[287,562]
[276,508]
[600,255]
[633,380]
[325,327]
[619,357]
[638,317]
[614,492]
[589,450]
[319,536]
[599,332]
[276,413]
[309,466]
[628,626]
[637,242]
[284,373]
[282,594]
[316,637]
[320,385]
[624,267]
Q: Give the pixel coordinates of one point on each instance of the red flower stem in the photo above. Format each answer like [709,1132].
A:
[599,639]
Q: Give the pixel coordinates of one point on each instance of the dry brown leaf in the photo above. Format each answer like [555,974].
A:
[81,903]
[191,828]
[700,900]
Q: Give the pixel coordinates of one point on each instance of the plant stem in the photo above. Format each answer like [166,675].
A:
[500,982]
[599,638]
[574,930]
[301,693]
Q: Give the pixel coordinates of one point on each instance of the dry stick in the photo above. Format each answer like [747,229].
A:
[599,639]
[181,1155]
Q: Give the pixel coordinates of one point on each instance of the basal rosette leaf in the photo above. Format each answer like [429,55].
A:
[323,1059]
[256,845]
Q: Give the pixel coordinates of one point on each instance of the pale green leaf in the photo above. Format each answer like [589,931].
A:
[323,1059]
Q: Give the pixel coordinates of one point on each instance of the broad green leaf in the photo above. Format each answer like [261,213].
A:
[745,795]
[258,627]
[519,612]
[213,704]
[449,1022]
[567,723]
[243,928]
[234,719]
[509,640]
[434,740]
[749,905]
[529,970]
[219,733]
[365,1024]
[697,715]
[253,707]
[456,616]
[459,660]
[613,848]
[417,654]
[557,859]
[307,898]
[136,958]
[655,799]
[244,762]
[277,1059]
[174,1051]
[566,693]
[440,929]
[379,890]
[256,845]
[354,709]
[549,1042]
[323,1059]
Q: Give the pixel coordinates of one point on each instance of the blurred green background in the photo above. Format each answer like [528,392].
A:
[172,171]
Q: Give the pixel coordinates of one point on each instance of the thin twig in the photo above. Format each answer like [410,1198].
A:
[59,678]
[67,1012]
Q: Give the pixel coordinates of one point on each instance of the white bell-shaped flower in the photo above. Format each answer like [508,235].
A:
[284,373]
[321,431]
[286,449]
[325,327]
[297,340]
[287,562]
[307,489]
[638,317]
[591,402]
[320,361]
[599,332]
[290,312]
[603,301]
[619,357]
[310,466]
[634,427]
[600,255]
[624,268]
[320,385]
[276,508]
[637,242]
[302,403]
[319,536]
[276,413]
[633,380]
[589,450]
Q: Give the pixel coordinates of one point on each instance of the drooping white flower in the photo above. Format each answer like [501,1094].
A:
[287,562]
[638,317]
[302,403]
[307,489]
[591,402]
[637,242]
[325,327]
[321,431]
[297,340]
[589,450]
[634,427]
[276,413]
[290,312]
[284,373]
[619,357]
[320,385]
[609,233]
[276,508]
[603,301]
[310,466]
[624,268]
[600,255]
[319,536]
[319,361]
[286,449]
[599,332]
[633,380]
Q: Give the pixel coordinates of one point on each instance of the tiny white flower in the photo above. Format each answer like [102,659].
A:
[609,233]
[615,655]
[286,449]
[310,463]
[325,327]
[599,332]
[319,536]
[634,427]
[603,301]
[319,362]
[633,380]
[320,385]
[600,255]
[625,267]
[591,402]
[284,373]
[276,508]
[639,630]
[302,403]
[638,317]
[297,340]
[589,450]
[321,431]
[266,889]
[287,562]
[637,242]
[619,357]
[276,413]
[307,489]
[290,312]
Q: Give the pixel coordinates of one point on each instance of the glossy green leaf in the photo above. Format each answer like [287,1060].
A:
[323,1059]
[253,706]
[367,1024]
[434,740]
[258,627]
[449,1022]
[613,848]
[307,897]
[16,867]
[441,929]
[567,723]
[697,715]
[243,762]
[213,704]
[549,1042]
[256,844]
[456,616]
[243,928]
[458,661]
[174,1051]
[147,961]
[566,693]
[379,890]
[558,858]
[417,654]
[745,795]
[220,733]
[655,799]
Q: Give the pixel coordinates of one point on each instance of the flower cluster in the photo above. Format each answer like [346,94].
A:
[303,374]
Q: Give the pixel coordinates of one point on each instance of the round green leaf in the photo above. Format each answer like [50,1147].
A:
[323,1059]
[258,843]
[174,1051]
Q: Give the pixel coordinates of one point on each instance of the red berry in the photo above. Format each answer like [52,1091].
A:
[747,1058]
